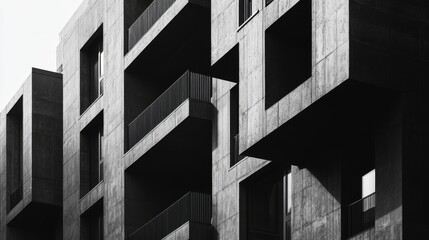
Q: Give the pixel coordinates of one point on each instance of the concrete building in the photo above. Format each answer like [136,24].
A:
[30,160]
[241,119]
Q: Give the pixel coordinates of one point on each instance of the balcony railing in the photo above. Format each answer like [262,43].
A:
[15,197]
[361,215]
[193,208]
[189,86]
[235,156]
[148,18]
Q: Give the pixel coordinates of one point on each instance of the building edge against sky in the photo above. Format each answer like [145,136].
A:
[237,119]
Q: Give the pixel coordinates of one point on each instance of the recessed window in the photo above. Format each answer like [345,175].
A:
[91,223]
[14,157]
[265,205]
[92,70]
[91,155]
[245,11]
[288,52]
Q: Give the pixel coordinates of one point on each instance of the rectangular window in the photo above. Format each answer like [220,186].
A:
[91,224]
[14,154]
[91,155]
[92,70]
[245,11]
[288,52]
[266,205]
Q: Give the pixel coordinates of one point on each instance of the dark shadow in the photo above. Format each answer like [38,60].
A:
[227,67]
[92,222]
[37,221]
[288,52]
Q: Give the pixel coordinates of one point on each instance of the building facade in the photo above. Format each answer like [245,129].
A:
[226,119]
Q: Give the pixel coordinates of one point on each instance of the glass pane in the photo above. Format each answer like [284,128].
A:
[368,184]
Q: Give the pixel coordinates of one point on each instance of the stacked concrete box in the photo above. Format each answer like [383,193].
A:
[39,101]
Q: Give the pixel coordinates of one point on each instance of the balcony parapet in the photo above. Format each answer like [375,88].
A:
[192,207]
[192,86]
[361,215]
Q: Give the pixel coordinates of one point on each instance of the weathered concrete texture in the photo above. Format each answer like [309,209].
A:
[38,103]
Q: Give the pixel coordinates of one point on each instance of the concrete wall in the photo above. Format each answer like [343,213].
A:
[90,15]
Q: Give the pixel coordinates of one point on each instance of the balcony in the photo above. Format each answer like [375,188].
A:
[171,138]
[192,86]
[148,18]
[164,28]
[361,215]
[193,208]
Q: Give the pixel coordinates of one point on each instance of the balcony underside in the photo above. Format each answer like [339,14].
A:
[187,32]
[348,109]
[184,150]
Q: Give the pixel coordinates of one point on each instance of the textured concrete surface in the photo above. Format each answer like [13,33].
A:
[351,41]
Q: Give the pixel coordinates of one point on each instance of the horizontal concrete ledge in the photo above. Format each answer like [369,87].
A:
[191,231]
[87,201]
[91,112]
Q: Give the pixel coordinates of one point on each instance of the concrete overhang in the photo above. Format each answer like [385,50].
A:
[172,30]
[182,142]
[349,108]
[41,98]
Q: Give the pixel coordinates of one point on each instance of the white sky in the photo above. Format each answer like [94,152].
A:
[29,35]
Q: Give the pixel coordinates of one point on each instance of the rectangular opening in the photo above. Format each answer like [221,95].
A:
[91,70]
[265,204]
[91,155]
[14,154]
[245,11]
[91,223]
[235,157]
[288,52]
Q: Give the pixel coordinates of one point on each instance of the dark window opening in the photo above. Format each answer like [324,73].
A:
[91,223]
[91,155]
[14,154]
[132,11]
[235,157]
[245,11]
[268,2]
[91,70]
[358,186]
[265,205]
[288,52]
